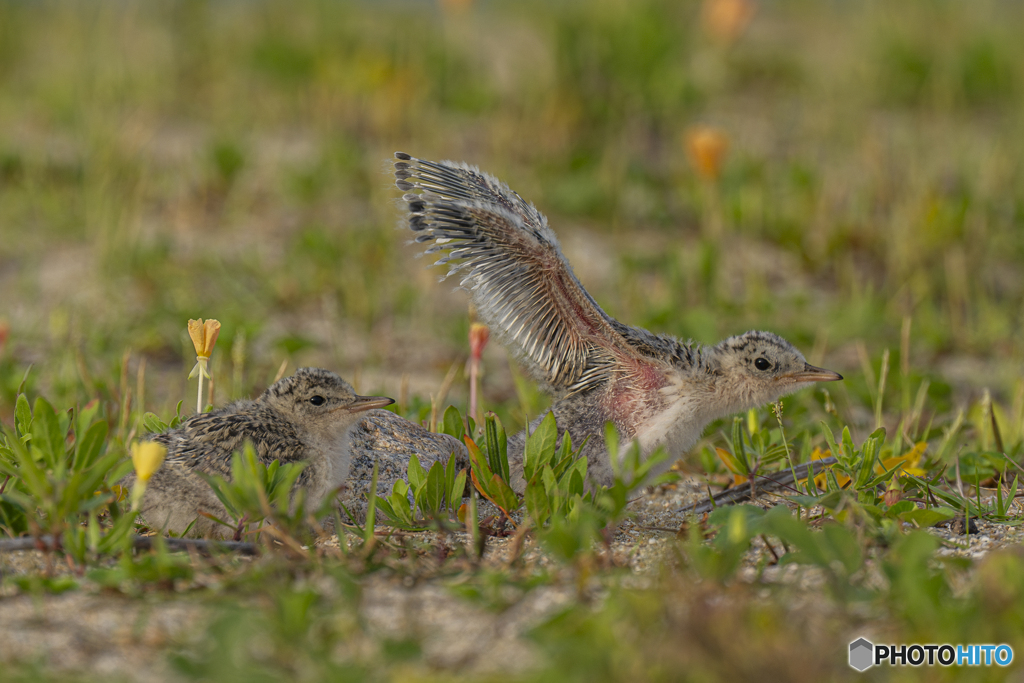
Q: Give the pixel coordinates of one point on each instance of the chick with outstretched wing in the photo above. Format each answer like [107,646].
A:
[655,389]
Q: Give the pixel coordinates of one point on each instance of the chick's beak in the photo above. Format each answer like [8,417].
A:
[363,403]
[811,373]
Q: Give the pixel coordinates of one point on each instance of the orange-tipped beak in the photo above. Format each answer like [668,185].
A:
[364,403]
[811,373]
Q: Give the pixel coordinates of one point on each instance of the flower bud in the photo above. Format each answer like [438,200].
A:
[893,492]
[725,20]
[478,336]
[706,148]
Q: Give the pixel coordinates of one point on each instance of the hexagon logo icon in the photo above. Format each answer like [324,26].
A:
[861,654]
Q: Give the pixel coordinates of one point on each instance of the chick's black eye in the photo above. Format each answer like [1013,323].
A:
[762,364]
[317,400]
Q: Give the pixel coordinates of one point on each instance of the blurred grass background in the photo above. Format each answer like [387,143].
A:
[175,159]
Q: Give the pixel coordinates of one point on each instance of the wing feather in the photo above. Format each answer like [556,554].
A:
[512,265]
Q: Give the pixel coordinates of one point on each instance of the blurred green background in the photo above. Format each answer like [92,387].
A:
[163,160]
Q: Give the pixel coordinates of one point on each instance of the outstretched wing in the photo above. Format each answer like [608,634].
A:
[512,265]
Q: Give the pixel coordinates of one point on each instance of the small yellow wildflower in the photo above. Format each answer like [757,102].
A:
[725,20]
[147,457]
[706,147]
[909,461]
[204,336]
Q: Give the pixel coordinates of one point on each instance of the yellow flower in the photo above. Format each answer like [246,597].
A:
[204,335]
[909,464]
[725,20]
[147,457]
[706,147]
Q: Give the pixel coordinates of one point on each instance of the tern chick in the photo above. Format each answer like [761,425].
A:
[657,390]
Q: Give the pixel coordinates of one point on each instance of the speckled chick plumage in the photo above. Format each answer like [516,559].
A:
[307,417]
[656,389]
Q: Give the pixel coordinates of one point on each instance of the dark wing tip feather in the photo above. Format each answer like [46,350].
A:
[403,156]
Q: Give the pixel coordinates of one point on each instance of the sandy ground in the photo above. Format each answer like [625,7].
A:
[109,634]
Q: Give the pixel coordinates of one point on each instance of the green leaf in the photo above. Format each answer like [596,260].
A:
[929,517]
[89,446]
[537,504]
[866,470]
[497,445]
[23,501]
[220,489]
[503,495]
[64,423]
[781,523]
[830,439]
[452,423]
[46,434]
[1011,497]
[572,482]
[117,534]
[458,487]
[449,478]
[31,469]
[540,446]
[842,545]
[120,471]
[87,416]
[399,509]
[833,499]
[739,451]
[434,489]
[153,424]
[849,450]
[479,465]
[576,481]
[900,507]
[22,416]
[751,513]
[178,417]
[611,446]
[371,505]
[396,513]
[547,477]
[417,475]
[84,483]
